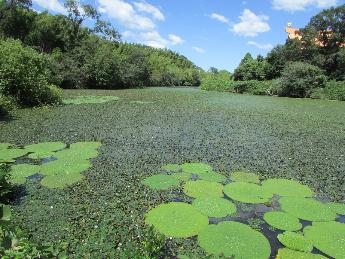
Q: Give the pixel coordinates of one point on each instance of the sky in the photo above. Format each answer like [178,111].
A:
[214,33]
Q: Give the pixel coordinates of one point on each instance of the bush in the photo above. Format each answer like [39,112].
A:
[6,105]
[217,85]
[300,79]
[334,91]
[24,76]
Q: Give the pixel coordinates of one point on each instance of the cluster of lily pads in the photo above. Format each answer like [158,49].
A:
[216,197]
[92,99]
[59,164]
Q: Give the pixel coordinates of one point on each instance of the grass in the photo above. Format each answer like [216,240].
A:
[103,215]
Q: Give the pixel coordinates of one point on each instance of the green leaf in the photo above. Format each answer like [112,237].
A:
[196,168]
[244,177]
[172,167]
[285,253]
[247,192]
[63,167]
[5,212]
[295,241]
[21,171]
[8,155]
[214,207]
[61,181]
[289,188]
[211,177]
[161,182]
[282,220]
[45,147]
[203,188]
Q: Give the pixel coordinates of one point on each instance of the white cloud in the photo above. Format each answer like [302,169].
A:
[175,40]
[300,5]
[251,24]
[125,14]
[199,50]
[220,18]
[150,9]
[51,5]
[266,46]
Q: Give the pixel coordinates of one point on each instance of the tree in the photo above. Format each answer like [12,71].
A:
[251,69]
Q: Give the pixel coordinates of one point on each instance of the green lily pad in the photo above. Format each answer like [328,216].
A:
[41,155]
[172,167]
[338,208]
[62,167]
[8,155]
[196,168]
[201,188]
[90,99]
[182,176]
[247,192]
[176,219]
[76,154]
[285,253]
[20,172]
[244,177]
[234,239]
[61,181]
[295,241]
[328,237]
[45,147]
[212,177]
[161,181]
[282,220]
[5,145]
[86,145]
[214,207]
[289,188]
[307,209]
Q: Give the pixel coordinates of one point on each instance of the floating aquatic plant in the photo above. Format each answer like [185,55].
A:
[76,154]
[20,172]
[45,147]
[177,219]
[61,181]
[161,181]
[172,167]
[244,177]
[338,208]
[90,145]
[5,145]
[203,188]
[285,253]
[63,167]
[211,177]
[328,237]
[307,209]
[295,241]
[90,99]
[10,154]
[214,207]
[182,176]
[282,220]
[141,102]
[234,239]
[285,187]
[196,168]
[41,155]
[247,192]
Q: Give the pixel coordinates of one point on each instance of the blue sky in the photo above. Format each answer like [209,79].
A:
[209,32]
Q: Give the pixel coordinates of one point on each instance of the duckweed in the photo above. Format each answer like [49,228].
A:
[282,220]
[201,188]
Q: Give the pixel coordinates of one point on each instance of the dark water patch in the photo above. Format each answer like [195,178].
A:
[318,252]
[341,219]
[35,177]
[305,223]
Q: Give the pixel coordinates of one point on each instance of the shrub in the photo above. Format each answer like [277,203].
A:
[300,79]
[217,85]
[334,90]
[6,105]
[24,76]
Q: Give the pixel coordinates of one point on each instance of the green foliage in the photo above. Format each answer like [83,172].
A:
[285,187]
[214,207]
[328,237]
[8,155]
[217,85]
[90,99]
[176,219]
[234,239]
[196,168]
[250,69]
[285,253]
[61,167]
[295,241]
[6,105]
[44,147]
[5,185]
[300,79]
[307,209]
[211,177]
[23,75]
[201,188]
[282,220]
[244,177]
[172,167]
[339,208]
[182,176]
[69,177]
[21,171]
[161,181]
[247,192]
[334,91]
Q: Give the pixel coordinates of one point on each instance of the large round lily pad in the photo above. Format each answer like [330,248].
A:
[8,155]
[76,154]
[41,155]
[214,207]
[234,239]
[295,241]
[45,147]
[338,208]
[203,188]
[182,176]
[90,99]
[20,172]
[247,192]
[285,253]
[172,167]
[62,167]
[212,177]
[196,168]
[177,219]
[86,145]
[307,209]
[328,237]
[282,220]
[61,181]
[5,145]
[161,181]
[244,177]
[285,187]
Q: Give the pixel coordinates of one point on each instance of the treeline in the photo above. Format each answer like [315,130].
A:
[40,52]
[311,67]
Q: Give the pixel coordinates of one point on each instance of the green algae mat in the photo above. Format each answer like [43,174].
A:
[103,215]
[232,235]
